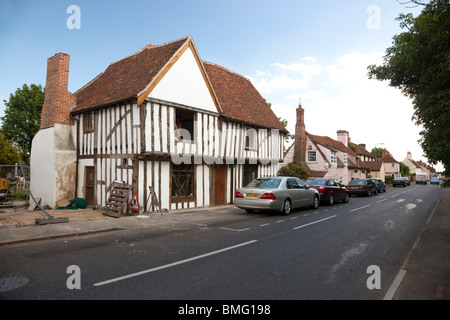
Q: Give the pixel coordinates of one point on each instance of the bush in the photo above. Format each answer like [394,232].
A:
[294,170]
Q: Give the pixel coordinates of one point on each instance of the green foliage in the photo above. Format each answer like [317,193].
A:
[294,170]
[22,117]
[404,170]
[8,153]
[418,63]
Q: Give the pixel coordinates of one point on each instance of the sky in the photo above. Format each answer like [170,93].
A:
[294,51]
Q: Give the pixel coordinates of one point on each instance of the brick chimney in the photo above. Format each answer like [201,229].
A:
[53,151]
[343,136]
[58,100]
[300,138]
[383,153]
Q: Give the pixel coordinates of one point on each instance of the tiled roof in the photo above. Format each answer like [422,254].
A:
[331,143]
[388,158]
[361,150]
[239,99]
[126,78]
[132,77]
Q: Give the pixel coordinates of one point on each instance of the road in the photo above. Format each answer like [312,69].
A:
[346,251]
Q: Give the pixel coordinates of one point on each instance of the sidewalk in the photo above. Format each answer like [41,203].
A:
[425,275]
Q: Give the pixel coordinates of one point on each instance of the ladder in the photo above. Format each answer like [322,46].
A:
[118,199]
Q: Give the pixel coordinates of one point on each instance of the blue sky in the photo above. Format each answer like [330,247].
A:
[316,51]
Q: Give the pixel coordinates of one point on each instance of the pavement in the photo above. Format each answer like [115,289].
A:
[424,275]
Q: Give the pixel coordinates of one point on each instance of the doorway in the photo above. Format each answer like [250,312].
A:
[89,185]
[220,184]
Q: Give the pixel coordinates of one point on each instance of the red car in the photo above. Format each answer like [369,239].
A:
[330,191]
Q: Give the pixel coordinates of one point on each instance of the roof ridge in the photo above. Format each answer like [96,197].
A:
[226,69]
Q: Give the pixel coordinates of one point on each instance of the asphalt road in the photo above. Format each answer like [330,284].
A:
[334,252]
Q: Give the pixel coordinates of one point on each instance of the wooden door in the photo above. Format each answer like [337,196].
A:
[220,184]
[89,185]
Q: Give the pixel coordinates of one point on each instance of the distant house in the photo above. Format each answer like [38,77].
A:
[378,167]
[323,156]
[162,118]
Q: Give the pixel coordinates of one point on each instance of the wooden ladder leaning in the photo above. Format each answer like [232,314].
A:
[118,199]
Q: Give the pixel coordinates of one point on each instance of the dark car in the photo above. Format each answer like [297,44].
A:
[330,191]
[364,187]
[399,182]
[380,184]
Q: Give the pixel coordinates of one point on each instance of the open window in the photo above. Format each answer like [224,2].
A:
[250,139]
[184,124]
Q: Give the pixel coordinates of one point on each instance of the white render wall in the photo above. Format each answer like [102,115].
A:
[186,78]
[42,172]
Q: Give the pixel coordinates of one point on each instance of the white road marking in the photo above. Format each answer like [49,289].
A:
[395,284]
[263,225]
[360,208]
[381,200]
[173,264]
[236,230]
[308,224]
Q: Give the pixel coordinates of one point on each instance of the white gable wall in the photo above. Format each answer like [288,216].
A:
[184,84]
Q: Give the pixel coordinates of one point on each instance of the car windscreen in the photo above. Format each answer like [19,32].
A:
[270,183]
[317,182]
[357,182]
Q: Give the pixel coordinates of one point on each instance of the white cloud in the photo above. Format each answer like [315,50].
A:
[283,82]
[339,95]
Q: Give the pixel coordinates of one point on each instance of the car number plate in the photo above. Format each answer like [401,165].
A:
[252,195]
[354,187]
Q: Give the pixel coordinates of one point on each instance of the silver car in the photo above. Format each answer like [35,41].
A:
[277,194]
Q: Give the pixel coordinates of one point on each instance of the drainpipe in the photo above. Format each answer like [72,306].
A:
[77,120]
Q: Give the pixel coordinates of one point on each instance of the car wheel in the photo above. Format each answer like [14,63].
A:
[331,200]
[376,192]
[315,204]
[286,207]
[368,192]
[347,198]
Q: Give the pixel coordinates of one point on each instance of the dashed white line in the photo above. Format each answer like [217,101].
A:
[381,200]
[173,264]
[264,225]
[317,221]
[360,208]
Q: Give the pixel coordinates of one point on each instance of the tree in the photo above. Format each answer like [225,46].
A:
[22,117]
[418,63]
[404,170]
[294,170]
[378,152]
[8,154]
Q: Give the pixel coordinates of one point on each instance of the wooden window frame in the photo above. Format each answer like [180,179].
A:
[89,122]
[176,172]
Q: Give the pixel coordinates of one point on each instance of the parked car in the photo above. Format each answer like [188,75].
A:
[399,182]
[330,191]
[361,187]
[381,187]
[407,181]
[276,194]
[434,181]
